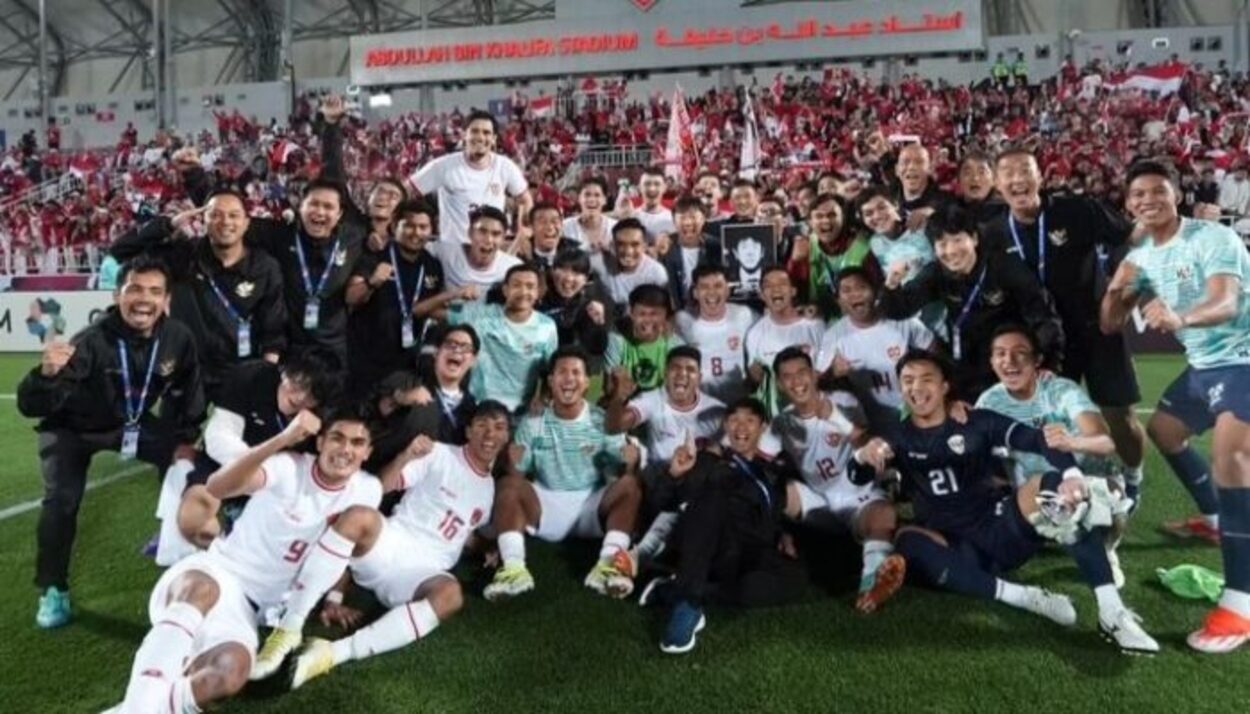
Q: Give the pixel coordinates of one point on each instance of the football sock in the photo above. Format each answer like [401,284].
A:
[1235,538]
[322,568]
[174,483]
[1195,473]
[656,537]
[612,542]
[1108,598]
[875,553]
[399,627]
[512,547]
[945,567]
[1090,554]
[162,655]
[183,697]
[1237,601]
[1010,593]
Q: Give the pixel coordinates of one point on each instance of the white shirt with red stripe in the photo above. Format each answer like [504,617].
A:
[283,520]
[446,497]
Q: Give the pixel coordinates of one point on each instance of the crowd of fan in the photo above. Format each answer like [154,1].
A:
[62,208]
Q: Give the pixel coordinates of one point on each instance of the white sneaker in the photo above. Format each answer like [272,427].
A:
[1052,606]
[1124,630]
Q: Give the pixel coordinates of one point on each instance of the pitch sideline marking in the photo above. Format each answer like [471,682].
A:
[27,506]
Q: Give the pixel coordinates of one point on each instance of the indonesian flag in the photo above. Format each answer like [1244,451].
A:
[1164,79]
[543,107]
[749,159]
[680,148]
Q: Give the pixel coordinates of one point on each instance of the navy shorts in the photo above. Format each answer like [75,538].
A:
[1198,396]
[1001,542]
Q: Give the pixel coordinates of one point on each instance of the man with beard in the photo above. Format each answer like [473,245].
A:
[95,394]
[384,293]
[472,179]
[228,295]
[1065,241]
[471,270]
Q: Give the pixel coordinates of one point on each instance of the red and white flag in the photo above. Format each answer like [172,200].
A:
[543,107]
[749,160]
[1165,79]
[680,148]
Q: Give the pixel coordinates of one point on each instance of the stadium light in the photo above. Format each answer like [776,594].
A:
[380,100]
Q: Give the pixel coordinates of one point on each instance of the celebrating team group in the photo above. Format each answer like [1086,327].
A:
[361,396]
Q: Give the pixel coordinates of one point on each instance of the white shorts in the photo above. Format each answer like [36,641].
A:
[837,508]
[232,619]
[568,513]
[398,564]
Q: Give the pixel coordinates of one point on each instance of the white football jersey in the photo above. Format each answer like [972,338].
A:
[445,499]
[722,345]
[874,351]
[821,448]
[768,338]
[667,425]
[283,520]
[656,223]
[457,272]
[462,188]
[619,285]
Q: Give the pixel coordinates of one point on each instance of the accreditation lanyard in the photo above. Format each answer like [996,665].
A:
[134,407]
[312,306]
[957,333]
[406,336]
[1041,243]
[243,326]
[745,467]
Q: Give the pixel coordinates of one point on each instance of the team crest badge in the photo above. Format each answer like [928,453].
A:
[735,343]
[834,440]
[994,298]
[476,518]
[166,367]
[644,5]
[340,257]
[1185,273]
[956,444]
[245,289]
[894,352]
[494,188]
[1215,394]
[1058,237]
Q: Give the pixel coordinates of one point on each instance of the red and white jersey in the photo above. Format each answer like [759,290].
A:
[821,448]
[667,425]
[722,343]
[768,338]
[283,520]
[874,351]
[445,499]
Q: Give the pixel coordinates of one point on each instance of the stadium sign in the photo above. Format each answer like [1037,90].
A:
[667,38]
[29,320]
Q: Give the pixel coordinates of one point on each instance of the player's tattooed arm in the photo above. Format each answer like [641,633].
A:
[245,475]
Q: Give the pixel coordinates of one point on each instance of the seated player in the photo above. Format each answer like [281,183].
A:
[718,330]
[259,400]
[570,456]
[520,339]
[206,609]
[728,531]
[671,415]
[818,432]
[781,326]
[864,347]
[640,345]
[966,532]
[1068,418]
[406,559]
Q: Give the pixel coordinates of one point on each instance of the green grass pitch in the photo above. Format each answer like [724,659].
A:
[561,648]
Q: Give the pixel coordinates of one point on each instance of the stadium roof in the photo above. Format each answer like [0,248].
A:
[81,30]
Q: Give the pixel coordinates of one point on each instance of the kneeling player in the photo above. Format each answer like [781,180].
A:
[205,610]
[568,451]
[819,438]
[966,532]
[406,559]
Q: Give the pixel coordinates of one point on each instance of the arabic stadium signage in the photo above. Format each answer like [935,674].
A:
[667,35]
